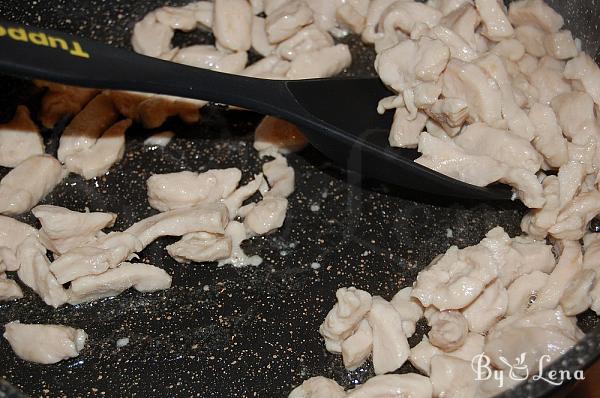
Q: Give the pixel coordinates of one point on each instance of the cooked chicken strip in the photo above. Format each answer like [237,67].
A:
[318,387]
[45,344]
[405,16]
[549,140]
[280,176]
[237,233]
[487,309]
[142,277]
[35,272]
[260,40]
[64,229]
[209,57]
[85,128]
[538,221]
[449,330]
[287,20]
[275,135]
[496,25]
[453,378]
[352,15]
[561,45]
[371,33]
[573,219]
[405,130]
[200,247]
[151,37]
[576,116]
[532,38]
[9,289]
[523,291]
[405,385]
[188,17]
[577,297]
[25,185]
[585,70]
[61,101]
[358,347]
[96,257]
[234,201]
[326,62]
[509,50]
[100,157]
[309,39]
[271,67]
[19,139]
[187,189]
[267,216]
[390,347]
[211,218]
[549,83]
[343,319]
[535,13]
[12,234]
[409,308]
[324,13]
[569,264]
[421,354]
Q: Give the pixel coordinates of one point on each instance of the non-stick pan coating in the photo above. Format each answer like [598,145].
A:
[246,332]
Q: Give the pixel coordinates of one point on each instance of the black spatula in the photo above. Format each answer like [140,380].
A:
[337,115]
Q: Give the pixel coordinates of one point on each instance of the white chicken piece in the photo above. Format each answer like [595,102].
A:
[142,277]
[89,124]
[269,6]
[96,257]
[271,67]
[526,337]
[408,63]
[232,24]
[212,218]
[570,178]
[480,139]
[532,38]
[421,354]
[449,330]
[487,309]
[151,37]
[161,139]
[561,45]
[274,135]
[568,265]
[234,201]
[448,6]
[280,176]
[523,291]
[496,25]
[453,378]
[9,289]
[427,94]
[308,39]
[45,344]
[572,221]
[405,16]
[577,297]
[63,229]
[549,83]
[371,33]
[549,140]
[237,233]
[464,21]
[268,215]
[209,57]
[452,112]
[188,17]
[406,129]
[470,83]
[586,71]
[287,20]
[538,221]
[576,116]
[509,50]
[343,319]
[260,40]
[535,13]
[12,234]
[25,185]
[591,251]
[390,347]
[358,347]
[318,387]
[516,118]
[19,139]
[35,272]
[102,155]
[459,48]
[200,247]
[324,13]
[526,186]
[326,62]
[383,386]
[352,16]
[409,308]
[187,189]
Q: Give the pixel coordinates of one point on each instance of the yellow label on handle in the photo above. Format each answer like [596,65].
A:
[41,39]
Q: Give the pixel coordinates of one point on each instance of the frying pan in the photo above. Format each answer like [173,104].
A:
[244,332]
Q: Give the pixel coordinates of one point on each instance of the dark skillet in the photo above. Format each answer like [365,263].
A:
[253,332]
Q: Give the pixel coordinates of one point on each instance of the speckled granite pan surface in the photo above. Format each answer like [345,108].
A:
[243,332]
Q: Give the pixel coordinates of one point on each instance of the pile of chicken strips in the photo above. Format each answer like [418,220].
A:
[485,93]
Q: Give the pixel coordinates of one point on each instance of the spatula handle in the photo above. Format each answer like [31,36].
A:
[51,55]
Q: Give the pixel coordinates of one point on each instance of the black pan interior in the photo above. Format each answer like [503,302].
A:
[244,332]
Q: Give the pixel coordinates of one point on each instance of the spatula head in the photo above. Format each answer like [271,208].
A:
[355,136]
